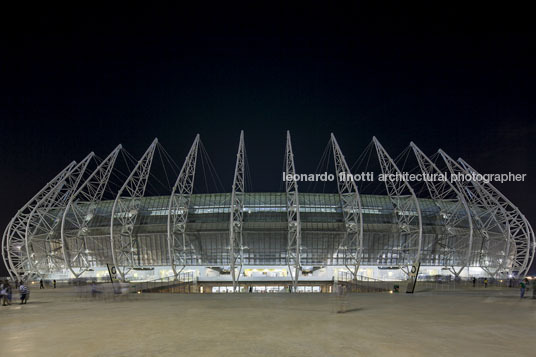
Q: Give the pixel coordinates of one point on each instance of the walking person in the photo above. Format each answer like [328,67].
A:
[3,294]
[41,285]
[24,292]
[522,288]
[485,282]
[474,282]
[9,293]
[54,282]
[341,295]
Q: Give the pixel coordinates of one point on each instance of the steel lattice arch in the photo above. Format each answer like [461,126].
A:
[69,229]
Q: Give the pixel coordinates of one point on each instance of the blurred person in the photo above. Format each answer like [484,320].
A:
[341,295]
[24,292]
[54,282]
[3,294]
[41,285]
[9,292]
[522,287]
[474,282]
[485,282]
[124,288]
[94,289]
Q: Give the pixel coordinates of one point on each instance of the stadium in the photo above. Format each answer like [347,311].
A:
[79,226]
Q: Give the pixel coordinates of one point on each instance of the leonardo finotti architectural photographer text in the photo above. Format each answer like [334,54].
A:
[406,176]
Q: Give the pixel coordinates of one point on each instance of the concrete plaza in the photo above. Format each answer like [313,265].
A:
[481,322]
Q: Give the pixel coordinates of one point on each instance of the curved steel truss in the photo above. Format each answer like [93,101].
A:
[125,214]
[494,240]
[78,215]
[520,233]
[454,245]
[455,225]
[236,217]
[14,238]
[293,216]
[352,245]
[407,210]
[43,237]
[179,246]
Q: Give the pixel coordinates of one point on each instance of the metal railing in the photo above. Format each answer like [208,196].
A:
[364,284]
[443,283]
[183,283]
[449,283]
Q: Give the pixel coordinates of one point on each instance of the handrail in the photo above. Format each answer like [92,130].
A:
[182,279]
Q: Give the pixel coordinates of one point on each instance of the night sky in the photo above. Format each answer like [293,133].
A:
[79,80]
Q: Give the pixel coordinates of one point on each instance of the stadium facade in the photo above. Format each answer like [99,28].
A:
[464,228]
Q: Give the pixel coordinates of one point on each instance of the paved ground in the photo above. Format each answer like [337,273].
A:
[481,323]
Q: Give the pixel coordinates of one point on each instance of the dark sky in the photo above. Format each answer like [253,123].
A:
[75,80]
